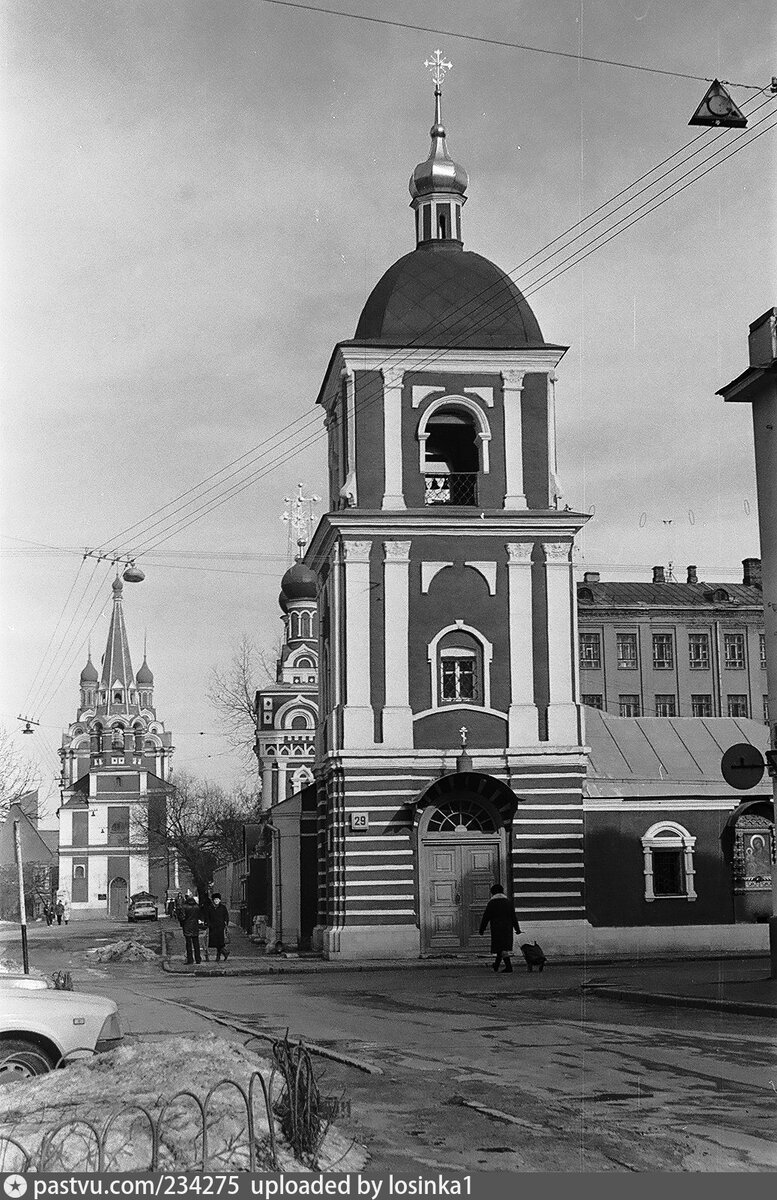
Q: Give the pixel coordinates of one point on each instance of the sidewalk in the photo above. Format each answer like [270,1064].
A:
[737,985]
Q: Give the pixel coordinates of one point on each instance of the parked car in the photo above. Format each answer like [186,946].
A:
[142,907]
[40,1028]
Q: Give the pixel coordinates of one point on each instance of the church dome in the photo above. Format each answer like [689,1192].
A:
[299,583]
[144,677]
[89,673]
[441,295]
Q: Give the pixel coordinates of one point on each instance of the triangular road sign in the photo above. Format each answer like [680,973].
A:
[717,108]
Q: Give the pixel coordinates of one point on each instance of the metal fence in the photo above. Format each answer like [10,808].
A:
[190,1133]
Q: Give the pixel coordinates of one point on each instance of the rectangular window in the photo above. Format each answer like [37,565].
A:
[663,652]
[762,647]
[118,825]
[629,706]
[701,706]
[734,651]
[699,651]
[593,699]
[666,706]
[627,651]
[457,677]
[737,706]
[766,709]
[668,874]
[81,828]
[590,652]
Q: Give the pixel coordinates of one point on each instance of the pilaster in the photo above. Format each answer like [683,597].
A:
[523,718]
[397,713]
[358,721]
[563,712]
[393,496]
[512,393]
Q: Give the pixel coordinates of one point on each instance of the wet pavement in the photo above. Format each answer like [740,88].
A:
[520,1072]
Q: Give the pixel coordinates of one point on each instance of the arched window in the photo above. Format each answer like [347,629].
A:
[297,718]
[460,664]
[668,868]
[463,815]
[453,436]
[301,778]
[304,664]
[79,872]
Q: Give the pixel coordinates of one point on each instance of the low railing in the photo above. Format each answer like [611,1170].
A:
[457,488]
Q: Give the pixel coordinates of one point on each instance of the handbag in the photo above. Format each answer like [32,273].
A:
[227,938]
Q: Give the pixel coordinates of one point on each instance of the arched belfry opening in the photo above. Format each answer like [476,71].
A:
[462,843]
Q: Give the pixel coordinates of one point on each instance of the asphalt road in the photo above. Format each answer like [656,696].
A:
[515,1073]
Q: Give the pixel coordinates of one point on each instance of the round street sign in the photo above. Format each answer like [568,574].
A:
[742,766]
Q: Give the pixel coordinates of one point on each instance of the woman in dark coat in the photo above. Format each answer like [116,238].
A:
[217,917]
[500,915]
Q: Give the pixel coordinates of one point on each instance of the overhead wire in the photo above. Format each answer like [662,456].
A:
[32,696]
[578,256]
[576,56]
[257,464]
[560,268]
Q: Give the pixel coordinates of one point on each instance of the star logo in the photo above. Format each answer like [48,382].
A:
[14,1185]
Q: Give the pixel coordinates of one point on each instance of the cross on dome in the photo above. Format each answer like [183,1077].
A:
[300,517]
[439,67]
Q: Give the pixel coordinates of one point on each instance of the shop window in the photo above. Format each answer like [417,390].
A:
[668,866]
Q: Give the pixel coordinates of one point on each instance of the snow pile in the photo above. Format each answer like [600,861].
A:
[9,966]
[154,1075]
[122,952]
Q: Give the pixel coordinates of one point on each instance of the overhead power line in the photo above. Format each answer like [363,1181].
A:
[473,37]
[466,314]
[261,464]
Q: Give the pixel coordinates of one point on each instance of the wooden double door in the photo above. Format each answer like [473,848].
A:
[456,880]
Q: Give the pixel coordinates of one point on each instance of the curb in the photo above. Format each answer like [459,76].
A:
[745,1007]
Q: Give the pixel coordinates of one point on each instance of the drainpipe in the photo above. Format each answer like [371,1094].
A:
[716,670]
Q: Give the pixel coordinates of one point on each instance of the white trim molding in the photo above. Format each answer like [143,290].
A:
[469,405]
[488,571]
[668,835]
[488,653]
[428,572]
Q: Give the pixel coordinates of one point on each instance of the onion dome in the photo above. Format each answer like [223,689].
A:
[144,677]
[438,172]
[299,583]
[89,673]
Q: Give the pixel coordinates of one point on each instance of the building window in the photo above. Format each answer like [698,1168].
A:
[734,651]
[590,652]
[701,706]
[458,676]
[762,648]
[737,705]
[766,709]
[627,651]
[593,699]
[699,651]
[629,706]
[453,437]
[460,662]
[667,850]
[663,652]
[79,872]
[117,697]
[666,706]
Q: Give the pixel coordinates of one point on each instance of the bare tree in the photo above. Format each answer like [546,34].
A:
[198,820]
[18,776]
[232,693]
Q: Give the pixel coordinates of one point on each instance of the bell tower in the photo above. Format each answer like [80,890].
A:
[446,591]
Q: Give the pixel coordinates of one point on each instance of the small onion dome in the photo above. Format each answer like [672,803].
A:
[89,673]
[118,588]
[144,677]
[438,172]
[299,583]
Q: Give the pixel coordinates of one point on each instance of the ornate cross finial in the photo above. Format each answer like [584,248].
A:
[438,66]
[463,731]
[300,517]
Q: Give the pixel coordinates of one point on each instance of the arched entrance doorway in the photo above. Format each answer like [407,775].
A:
[118,895]
[463,848]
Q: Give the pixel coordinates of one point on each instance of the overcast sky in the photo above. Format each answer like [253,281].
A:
[198,197]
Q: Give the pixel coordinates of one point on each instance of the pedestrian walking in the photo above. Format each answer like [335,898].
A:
[59,910]
[217,918]
[47,913]
[190,925]
[67,909]
[500,915]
